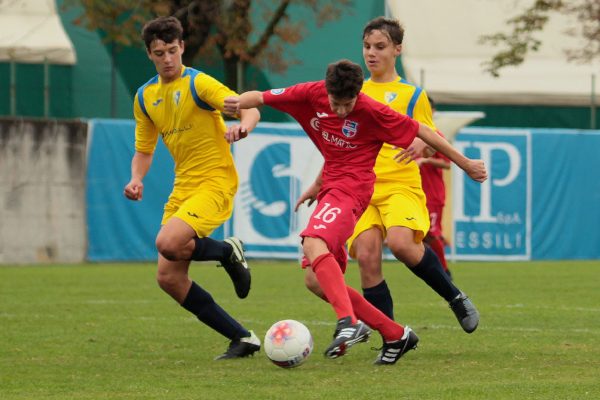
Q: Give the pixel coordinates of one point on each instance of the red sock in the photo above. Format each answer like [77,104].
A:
[371,315]
[437,245]
[331,280]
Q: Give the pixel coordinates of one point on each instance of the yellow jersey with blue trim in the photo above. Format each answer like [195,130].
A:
[407,99]
[186,113]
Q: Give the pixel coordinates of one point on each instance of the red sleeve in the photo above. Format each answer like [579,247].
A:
[288,100]
[395,128]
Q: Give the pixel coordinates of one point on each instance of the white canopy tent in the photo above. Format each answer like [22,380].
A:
[442,53]
[33,33]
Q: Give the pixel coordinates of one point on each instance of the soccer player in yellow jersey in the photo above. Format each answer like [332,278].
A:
[397,212]
[183,106]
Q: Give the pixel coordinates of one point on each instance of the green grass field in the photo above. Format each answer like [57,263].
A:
[106,331]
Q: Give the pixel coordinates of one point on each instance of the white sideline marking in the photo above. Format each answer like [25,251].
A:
[193,320]
[509,306]
[110,301]
[562,308]
[456,327]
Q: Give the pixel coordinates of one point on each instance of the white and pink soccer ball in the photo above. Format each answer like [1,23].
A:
[288,343]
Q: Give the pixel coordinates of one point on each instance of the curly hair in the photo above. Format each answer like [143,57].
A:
[344,79]
[166,29]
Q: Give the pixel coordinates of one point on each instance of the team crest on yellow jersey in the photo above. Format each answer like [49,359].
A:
[176,97]
[390,96]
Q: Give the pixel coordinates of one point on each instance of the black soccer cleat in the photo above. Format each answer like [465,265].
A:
[241,348]
[238,268]
[465,312]
[346,335]
[392,351]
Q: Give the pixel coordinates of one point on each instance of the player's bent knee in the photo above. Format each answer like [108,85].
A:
[408,253]
[169,254]
[167,282]
[369,262]
[169,249]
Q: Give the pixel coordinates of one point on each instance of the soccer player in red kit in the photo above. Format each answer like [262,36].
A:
[348,128]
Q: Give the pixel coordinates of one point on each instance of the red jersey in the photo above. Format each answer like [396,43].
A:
[432,179]
[349,145]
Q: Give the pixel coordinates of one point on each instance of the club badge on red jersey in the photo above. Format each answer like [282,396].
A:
[350,128]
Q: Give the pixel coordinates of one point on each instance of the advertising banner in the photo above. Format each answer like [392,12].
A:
[492,220]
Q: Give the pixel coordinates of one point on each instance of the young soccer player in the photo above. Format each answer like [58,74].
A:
[348,128]
[183,106]
[397,212]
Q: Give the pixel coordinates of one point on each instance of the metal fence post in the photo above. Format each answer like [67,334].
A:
[593,103]
[13,89]
[46,88]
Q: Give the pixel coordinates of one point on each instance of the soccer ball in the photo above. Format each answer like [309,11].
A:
[288,343]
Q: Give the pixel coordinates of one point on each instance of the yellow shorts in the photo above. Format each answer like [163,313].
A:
[393,205]
[204,210]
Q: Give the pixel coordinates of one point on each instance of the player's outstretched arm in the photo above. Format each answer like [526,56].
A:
[311,193]
[418,149]
[474,168]
[243,105]
[244,101]
[434,162]
[248,120]
[140,164]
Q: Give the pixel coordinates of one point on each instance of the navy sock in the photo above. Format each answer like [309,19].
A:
[200,303]
[430,270]
[380,296]
[210,249]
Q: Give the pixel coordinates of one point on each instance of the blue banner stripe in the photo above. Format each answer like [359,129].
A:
[270,247]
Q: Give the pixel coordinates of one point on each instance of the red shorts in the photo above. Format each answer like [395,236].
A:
[333,221]
[435,217]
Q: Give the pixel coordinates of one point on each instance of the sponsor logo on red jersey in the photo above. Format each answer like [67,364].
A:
[315,124]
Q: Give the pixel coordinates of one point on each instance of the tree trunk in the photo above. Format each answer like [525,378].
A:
[231,73]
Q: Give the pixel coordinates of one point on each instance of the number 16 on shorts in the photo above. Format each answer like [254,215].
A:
[326,215]
[332,220]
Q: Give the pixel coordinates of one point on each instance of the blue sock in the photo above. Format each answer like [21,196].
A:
[200,303]
[430,270]
[209,249]
[380,296]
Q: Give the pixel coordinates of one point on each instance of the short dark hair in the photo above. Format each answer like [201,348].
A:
[392,27]
[344,79]
[166,29]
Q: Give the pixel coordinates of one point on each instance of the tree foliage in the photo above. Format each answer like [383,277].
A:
[522,39]
[222,28]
